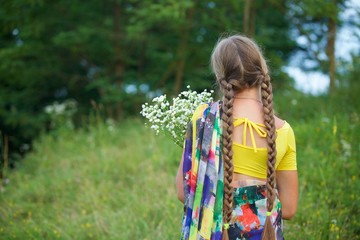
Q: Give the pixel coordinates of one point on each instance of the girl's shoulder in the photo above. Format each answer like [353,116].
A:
[279,123]
[284,129]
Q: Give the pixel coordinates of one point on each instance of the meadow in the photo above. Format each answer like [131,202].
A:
[117,180]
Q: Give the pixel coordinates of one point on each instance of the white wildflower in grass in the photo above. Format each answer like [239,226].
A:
[346,148]
[172,118]
[61,113]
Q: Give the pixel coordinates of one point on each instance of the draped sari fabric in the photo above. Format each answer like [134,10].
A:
[203,176]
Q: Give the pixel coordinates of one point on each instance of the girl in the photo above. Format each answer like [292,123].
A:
[238,174]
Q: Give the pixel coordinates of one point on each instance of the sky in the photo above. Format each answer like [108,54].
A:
[315,82]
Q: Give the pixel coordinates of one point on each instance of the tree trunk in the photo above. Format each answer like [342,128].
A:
[119,63]
[249,18]
[4,171]
[330,51]
[185,30]
[167,74]
[142,57]
[2,163]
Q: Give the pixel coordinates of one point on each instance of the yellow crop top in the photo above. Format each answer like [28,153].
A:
[252,160]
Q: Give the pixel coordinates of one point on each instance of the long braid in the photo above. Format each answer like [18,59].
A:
[266,94]
[227,126]
[238,64]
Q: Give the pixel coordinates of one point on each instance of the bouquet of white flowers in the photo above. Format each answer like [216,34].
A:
[172,119]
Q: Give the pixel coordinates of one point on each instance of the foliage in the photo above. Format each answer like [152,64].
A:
[61,114]
[104,182]
[107,180]
[310,25]
[328,151]
[116,54]
[349,88]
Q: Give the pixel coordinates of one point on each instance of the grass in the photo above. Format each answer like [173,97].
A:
[100,183]
[117,182]
[329,181]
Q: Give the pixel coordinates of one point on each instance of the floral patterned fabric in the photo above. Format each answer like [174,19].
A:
[249,214]
[203,176]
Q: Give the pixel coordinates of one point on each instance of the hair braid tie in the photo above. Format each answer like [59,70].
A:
[227,126]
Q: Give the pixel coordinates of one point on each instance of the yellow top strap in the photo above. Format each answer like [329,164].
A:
[259,128]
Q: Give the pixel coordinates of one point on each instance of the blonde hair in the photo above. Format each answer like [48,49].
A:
[238,64]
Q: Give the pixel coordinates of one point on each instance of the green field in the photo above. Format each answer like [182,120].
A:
[118,182]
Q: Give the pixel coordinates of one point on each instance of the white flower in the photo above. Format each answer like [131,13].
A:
[346,147]
[172,119]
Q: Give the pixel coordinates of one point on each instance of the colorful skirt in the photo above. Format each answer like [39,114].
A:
[249,214]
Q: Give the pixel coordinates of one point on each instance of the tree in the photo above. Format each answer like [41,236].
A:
[249,18]
[118,53]
[316,23]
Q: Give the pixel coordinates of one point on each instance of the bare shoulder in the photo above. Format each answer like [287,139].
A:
[279,123]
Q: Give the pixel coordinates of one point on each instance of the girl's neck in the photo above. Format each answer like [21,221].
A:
[249,94]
